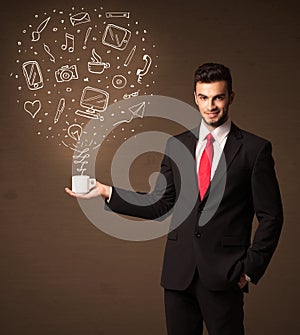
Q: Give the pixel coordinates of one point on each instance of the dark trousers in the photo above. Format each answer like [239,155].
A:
[222,311]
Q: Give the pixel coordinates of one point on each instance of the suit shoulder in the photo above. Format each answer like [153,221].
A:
[253,139]
[253,144]
[187,138]
[186,135]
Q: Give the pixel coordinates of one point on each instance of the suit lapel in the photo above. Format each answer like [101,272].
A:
[191,140]
[232,145]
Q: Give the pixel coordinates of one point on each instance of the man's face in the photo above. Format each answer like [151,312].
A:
[213,101]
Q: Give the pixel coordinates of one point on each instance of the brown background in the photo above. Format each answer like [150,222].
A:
[61,275]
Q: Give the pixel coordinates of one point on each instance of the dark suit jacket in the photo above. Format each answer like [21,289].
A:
[214,234]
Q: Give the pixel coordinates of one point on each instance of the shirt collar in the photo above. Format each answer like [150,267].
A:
[218,133]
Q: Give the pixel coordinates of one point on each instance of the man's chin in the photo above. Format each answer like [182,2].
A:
[211,122]
[216,123]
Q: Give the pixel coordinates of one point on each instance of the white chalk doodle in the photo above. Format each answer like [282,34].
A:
[131,95]
[32,107]
[66,73]
[142,72]
[87,34]
[47,49]
[130,56]
[93,100]
[33,75]
[96,65]
[136,111]
[119,81]
[80,18]
[81,157]
[116,37]
[36,34]
[68,146]
[75,132]
[110,15]
[112,45]
[60,109]
[69,43]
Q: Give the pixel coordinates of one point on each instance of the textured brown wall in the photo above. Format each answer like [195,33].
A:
[61,275]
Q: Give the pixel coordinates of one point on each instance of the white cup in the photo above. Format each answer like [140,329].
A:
[82,184]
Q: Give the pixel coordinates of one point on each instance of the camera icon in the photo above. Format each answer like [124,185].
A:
[66,73]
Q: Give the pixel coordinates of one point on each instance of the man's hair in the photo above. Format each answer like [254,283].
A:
[212,72]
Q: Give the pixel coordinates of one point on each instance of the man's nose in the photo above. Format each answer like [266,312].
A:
[211,105]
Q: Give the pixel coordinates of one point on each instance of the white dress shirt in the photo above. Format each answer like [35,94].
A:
[220,135]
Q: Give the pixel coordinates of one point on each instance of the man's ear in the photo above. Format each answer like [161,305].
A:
[231,98]
[195,96]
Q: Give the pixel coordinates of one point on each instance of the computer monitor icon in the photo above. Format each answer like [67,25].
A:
[94,101]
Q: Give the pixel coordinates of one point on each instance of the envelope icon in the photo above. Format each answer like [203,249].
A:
[116,37]
[80,18]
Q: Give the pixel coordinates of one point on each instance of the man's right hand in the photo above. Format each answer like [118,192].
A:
[98,190]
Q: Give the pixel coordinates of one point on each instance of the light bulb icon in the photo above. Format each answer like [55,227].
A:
[75,132]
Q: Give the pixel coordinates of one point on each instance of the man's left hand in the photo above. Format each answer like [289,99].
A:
[243,281]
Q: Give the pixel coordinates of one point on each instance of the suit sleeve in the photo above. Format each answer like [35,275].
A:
[149,206]
[268,210]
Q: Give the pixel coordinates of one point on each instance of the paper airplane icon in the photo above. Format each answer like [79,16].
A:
[138,110]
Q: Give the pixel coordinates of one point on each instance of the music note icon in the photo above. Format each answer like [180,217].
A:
[69,42]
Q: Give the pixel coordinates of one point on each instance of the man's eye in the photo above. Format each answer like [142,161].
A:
[220,98]
[202,98]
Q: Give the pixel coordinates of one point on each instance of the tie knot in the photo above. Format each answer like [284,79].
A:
[210,138]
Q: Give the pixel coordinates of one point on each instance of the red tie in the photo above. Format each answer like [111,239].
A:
[205,166]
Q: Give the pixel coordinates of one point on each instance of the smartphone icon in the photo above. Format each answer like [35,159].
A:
[33,75]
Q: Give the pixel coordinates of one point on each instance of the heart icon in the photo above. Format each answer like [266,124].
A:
[32,107]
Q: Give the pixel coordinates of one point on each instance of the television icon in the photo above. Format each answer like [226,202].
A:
[94,101]
[116,37]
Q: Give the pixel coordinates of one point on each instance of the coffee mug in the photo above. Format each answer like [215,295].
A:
[97,67]
[82,184]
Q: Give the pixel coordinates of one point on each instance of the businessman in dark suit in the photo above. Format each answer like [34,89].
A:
[213,194]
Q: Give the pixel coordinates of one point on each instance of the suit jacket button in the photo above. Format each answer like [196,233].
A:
[197,234]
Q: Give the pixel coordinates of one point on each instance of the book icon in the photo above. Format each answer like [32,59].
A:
[116,37]
[94,101]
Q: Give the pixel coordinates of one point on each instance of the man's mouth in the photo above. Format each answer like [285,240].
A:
[212,115]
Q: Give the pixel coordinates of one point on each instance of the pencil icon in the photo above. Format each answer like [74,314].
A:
[60,109]
[129,57]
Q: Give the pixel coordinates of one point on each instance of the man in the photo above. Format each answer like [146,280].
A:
[209,262]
